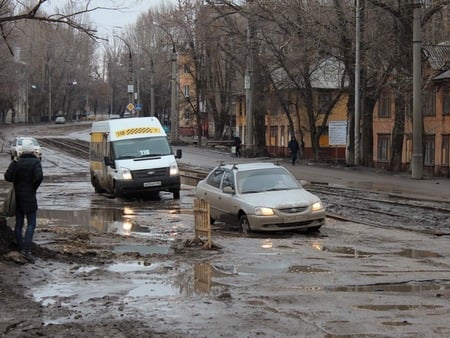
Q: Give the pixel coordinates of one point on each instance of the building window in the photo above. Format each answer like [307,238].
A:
[445,150]
[186,91]
[384,147]
[384,108]
[324,100]
[446,100]
[273,135]
[429,104]
[186,69]
[429,149]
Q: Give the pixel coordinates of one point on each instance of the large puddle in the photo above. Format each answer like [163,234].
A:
[125,217]
[413,287]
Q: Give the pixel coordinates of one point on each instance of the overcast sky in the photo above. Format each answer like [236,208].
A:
[108,20]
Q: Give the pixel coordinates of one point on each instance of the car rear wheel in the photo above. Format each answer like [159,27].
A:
[244,224]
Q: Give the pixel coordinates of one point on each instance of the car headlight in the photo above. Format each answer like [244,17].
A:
[126,174]
[317,206]
[263,211]
[173,169]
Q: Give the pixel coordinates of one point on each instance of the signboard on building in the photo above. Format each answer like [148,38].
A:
[337,131]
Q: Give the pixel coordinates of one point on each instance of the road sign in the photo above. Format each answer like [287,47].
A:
[139,107]
[130,106]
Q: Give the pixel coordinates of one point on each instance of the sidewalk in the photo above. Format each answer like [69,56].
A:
[373,180]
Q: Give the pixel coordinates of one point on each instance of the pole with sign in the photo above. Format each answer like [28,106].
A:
[337,134]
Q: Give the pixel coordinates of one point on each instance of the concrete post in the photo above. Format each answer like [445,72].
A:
[417,155]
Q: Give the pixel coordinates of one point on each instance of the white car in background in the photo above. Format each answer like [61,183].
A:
[60,120]
[16,147]
[260,197]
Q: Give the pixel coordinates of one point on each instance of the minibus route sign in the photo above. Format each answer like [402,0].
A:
[135,131]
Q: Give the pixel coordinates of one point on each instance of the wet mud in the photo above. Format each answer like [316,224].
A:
[125,268]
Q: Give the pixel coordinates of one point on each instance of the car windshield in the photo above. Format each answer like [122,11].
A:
[27,140]
[141,147]
[253,181]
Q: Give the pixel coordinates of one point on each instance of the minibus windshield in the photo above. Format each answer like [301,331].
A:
[141,147]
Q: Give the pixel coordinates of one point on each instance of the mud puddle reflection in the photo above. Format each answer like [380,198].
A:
[410,287]
[125,289]
[158,217]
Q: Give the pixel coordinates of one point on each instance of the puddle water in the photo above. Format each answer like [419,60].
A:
[69,177]
[122,220]
[407,287]
[412,253]
[344,250]
[133,267]
[349,251]
[132,279]
[391,307]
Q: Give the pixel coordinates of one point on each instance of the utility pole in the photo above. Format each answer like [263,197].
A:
[248,83]
[417,156]
[173,87]
[130,76]
[173,97]
[152,89]
[130,88]
[357,85]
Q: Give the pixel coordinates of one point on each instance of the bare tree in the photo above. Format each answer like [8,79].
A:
[401,84]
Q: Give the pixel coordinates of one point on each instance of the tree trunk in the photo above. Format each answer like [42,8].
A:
[398,133]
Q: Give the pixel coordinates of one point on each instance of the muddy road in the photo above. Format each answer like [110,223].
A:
[122,268]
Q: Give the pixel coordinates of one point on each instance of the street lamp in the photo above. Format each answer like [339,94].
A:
[130,88]
[173,88]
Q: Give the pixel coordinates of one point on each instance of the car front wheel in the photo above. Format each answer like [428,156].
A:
[244,224]
[176,194]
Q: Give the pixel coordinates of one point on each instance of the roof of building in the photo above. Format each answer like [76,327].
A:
[438,57]
[328,74]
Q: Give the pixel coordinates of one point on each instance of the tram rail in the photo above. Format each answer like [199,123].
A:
[378,209]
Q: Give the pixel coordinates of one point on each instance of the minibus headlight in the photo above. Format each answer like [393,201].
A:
[174,169]
[126,174]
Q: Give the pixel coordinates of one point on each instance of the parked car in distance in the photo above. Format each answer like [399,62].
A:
[60,120]
[16,147]
[260,197]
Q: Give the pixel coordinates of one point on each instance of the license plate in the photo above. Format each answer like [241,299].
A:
[152,184]
[299,218]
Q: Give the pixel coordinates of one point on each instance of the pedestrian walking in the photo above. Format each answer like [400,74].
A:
[237,143]
[293,148]
[26,176]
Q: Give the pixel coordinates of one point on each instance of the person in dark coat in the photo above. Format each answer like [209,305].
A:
[293,148]
[26,175]
[237,143]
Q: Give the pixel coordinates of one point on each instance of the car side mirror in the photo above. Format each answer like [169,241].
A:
[179,153]
[228,190]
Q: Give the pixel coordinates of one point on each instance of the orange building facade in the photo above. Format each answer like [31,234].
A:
[436,120]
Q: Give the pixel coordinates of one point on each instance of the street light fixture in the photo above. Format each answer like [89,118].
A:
[130,88]
[173,88]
